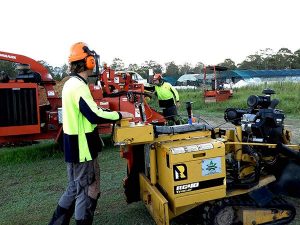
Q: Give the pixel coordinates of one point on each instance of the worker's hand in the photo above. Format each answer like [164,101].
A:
[127,115]
[147,99]
[177,104]
[146,92]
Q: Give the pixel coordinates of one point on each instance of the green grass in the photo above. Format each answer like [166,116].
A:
[33,178]
[287,93]
[30,191]
[31,188]
[44,149]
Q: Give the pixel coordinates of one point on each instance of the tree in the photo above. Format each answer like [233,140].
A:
[172,69]
[296,60]
[271,63]
[117,64]
[56,72]
[265,53]
[284,51]
[266,60]
[186,68]
[64,71]
[60,72]
[48,67]
[157,68]
[285,58]
[230,64]
[133,67]
[144,69]
[9,68]
[297,53]
[254,62]
[198,68]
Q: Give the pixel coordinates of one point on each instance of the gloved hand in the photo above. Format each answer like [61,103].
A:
[127,115]
[148,93]
[147,99]
[177,104]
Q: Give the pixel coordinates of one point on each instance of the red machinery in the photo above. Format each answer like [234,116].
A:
[23,118]
[217,93]
[121,93]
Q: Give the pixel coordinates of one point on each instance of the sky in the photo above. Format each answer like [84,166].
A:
[207,31]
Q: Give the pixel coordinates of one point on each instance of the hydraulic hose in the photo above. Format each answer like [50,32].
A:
[244,184]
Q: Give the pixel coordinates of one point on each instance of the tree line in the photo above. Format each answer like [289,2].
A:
[264,59]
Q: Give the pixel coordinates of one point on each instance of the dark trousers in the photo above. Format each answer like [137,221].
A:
[81,194]
[170,113]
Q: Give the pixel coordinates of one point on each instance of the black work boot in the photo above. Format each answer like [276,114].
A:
[89,215]
[92,207]
[62,216]
[84,222]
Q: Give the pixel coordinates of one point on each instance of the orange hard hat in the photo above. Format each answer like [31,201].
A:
[77,52]
[157,76]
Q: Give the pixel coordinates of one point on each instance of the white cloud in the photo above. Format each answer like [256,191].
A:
[139,30]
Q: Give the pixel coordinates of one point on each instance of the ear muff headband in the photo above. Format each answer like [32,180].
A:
[90,61]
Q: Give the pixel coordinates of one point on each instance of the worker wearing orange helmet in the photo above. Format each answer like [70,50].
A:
[81,140]
[168,98]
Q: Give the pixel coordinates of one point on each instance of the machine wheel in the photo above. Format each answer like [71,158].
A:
[229,211]
[225,216]
[218,213]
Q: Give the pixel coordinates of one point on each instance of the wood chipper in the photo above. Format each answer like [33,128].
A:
[213,175]
[217,92]
[31,107]
[24,116]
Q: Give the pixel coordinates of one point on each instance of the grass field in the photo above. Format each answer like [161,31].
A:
[30,190]
[287,93]
[33,178]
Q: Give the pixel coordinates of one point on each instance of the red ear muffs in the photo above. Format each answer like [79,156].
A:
[90,62]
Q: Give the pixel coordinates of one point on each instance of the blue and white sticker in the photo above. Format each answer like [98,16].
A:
[51,93]
[116,80]
[211,166]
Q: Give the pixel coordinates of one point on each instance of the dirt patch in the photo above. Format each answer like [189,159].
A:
[290,124]
[294,126]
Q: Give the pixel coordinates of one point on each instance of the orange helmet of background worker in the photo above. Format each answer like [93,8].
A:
[80,51]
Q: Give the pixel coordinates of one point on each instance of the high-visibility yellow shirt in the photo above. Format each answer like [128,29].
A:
[80,118]
[165,93]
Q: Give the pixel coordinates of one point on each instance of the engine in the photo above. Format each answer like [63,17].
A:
[261,125]
[261,122]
